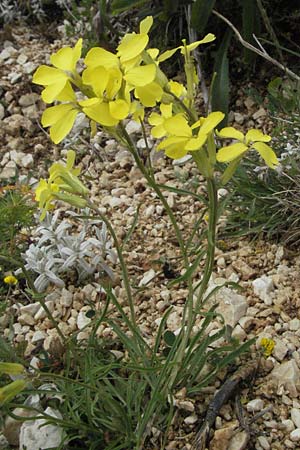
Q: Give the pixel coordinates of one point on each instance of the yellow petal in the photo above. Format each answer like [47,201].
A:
[190,47]
[178,126]
[227,154]
[114,82]
[55,113]
[257,135]
[142,75]
[230,132]
[153,52]
[97,77]
[131,46]
[119,109]
[61,128]
[100,113]
[211,121]
[146,24]
[149,94]
[90,101]
[100,57]
[63,59]
[167,54]
[71,155]
[67,94]
[176,88]
[158,131]
[196,143]
[166,110]
[173,141]
[267,153]
[45,75]
[155,119]
[53,91]
[176,151]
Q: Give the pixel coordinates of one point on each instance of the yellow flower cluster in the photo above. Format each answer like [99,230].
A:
[267,346]
[115,86]
[11,280]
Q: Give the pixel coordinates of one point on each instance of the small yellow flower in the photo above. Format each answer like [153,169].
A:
[253,139]
[11,280]
[268,346]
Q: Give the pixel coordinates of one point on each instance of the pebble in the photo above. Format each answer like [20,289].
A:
[294,324]
[2,111]
[9,170]
[295,435]
[262,287]
[82,320]
[255,405]
[148,276]
[190,420]
[295,416]
[263,441]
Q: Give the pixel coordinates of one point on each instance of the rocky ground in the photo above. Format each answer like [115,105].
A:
[268,306]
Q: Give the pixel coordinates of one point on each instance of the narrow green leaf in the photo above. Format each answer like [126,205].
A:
[123,5]
[220,88]
[201,11]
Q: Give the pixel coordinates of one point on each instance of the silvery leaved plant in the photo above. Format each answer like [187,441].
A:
[56,251]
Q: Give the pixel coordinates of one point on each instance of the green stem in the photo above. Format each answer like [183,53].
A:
[121,260]
[211,240]
[151,181]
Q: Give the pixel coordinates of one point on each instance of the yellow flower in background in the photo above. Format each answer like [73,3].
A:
[57,79]
[63,184]
[11,280]
[254,139]
[45,194]
[268,346]
[12,389]
[181,139]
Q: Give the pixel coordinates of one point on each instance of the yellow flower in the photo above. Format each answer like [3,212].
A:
[57,79]
[62,183]
[45,194]
[11,368]
[268,346]
[254,139]
[11,280]
[181,139]
[158,120]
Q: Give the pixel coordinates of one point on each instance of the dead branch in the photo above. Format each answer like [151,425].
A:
[261,53]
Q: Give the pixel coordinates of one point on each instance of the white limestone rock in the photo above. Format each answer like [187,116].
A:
[262,287]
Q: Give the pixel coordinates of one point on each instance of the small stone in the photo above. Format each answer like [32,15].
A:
[239,441]
[232,306]
[294,324]
[28,99]
[26,319]
[21,59]
[295,435]
[2,111]
[221,262]
[190,420]
[29,67]
[264,443]
[185,405]
[295,416]
[66,298]
[82,320]
[133,127]
[255,405]
[182,161]
[148,276]
[37,434]
[149,211]
[14,77]
[260,113]
[174,320]
[222,436]
[280,350]
[243,269]
[27,161]
[30,309]
[262,287]
[38,336]
[239,118]
[8,171]
[288,425]
[287,375]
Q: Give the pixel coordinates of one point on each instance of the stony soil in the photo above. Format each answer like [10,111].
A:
[269,273]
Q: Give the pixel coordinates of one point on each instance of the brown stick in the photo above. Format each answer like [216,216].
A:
[261,53]
[220,398]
